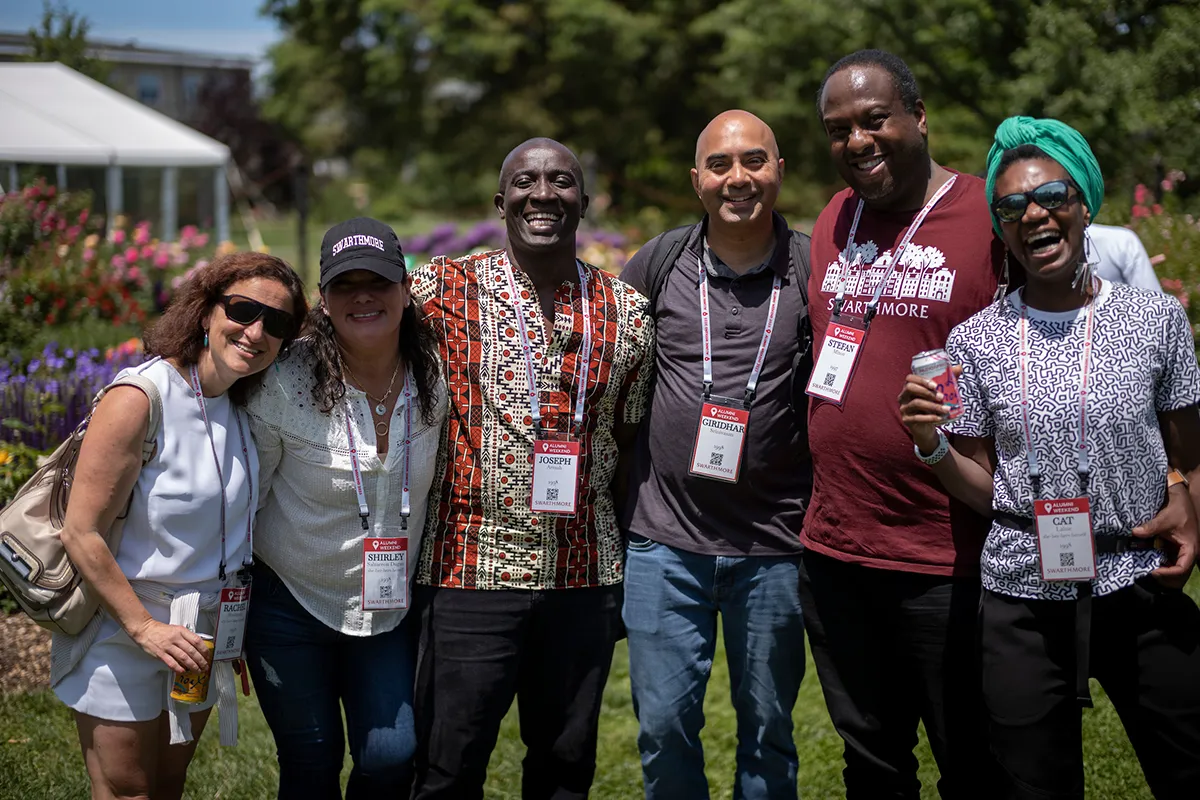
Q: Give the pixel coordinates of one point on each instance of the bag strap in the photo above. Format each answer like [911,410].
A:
[150,389]
[800,245]
[662,259]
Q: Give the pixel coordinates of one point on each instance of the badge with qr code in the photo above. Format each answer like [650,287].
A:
[717,452]
[385,571]
[1066,549]
[555,475]
[231,623]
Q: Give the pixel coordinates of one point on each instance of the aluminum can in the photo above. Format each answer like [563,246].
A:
[192,686]
[934,365]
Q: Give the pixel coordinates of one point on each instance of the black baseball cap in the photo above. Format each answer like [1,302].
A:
[361,243]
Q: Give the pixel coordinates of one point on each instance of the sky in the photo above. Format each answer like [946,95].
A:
[208,26]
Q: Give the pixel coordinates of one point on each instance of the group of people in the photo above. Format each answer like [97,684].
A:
[464,485]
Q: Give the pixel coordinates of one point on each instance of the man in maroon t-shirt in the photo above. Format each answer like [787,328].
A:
[890,585]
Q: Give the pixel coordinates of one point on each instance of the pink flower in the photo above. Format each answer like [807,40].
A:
[83,217]
[1167,185]
[1172,284]
[188,232]
[1184,300]
[118,236]
[131,254]
[161,259]
[89,254]
[200,240]
[1156,209]
[1140,212]
[141,234]
[148,251]
[135,274]
[73,232]
[1141,194]
[118,262]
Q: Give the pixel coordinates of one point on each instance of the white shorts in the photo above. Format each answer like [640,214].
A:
[119,681]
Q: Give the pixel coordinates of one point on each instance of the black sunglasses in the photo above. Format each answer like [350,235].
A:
[245,311]
[1049,196]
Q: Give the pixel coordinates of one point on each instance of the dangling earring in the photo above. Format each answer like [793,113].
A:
[1002,286]
[206,340]
[1084,269]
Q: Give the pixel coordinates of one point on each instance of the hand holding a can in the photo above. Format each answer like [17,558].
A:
[177,647]
[924,406]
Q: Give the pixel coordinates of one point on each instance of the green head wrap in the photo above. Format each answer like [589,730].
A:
[1056,139]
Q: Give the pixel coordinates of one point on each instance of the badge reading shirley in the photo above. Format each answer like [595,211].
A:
[831,374]
[555,475]
[231,623]
[1066,548]
[385,572]
[718,449]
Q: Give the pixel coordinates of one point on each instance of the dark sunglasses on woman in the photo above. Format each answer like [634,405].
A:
[245,311]
[1049,196]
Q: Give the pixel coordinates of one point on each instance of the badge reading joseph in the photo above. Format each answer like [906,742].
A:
[1065,546]
[555,476]
[718,450]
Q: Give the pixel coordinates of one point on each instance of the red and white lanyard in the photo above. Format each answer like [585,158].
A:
[1081,451]
[897,257]
[583,361]
[405,492]
[248,559]
[706,337]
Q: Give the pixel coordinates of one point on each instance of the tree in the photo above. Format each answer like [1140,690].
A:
[62,37]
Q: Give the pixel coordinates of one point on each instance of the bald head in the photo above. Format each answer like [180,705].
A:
[735,124]
[539,143]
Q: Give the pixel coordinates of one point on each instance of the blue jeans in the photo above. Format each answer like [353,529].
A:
[305,673]
[672,599]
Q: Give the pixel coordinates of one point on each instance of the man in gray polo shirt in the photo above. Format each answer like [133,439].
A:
[721,473]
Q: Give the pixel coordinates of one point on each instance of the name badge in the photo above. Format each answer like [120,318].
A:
[555,475]
[232,611]
[385,572]
[1066,548]
[717,452]
[835,366]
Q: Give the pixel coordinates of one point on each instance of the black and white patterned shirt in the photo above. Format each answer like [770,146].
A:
[1143,362]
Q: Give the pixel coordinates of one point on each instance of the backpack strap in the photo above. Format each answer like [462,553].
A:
[800,244]
[662,259]
[150,389]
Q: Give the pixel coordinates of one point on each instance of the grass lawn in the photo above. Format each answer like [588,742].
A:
[39,752]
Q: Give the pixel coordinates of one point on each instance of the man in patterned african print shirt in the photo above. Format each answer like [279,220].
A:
[514,601]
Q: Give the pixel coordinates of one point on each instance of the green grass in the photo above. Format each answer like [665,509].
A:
[39,752]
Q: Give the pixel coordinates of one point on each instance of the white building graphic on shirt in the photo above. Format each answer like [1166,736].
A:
[922,275]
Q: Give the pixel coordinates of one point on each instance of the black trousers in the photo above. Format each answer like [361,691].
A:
[1145,652]
[550,649]
[894,648]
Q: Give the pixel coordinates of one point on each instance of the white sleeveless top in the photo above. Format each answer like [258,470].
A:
[173,535]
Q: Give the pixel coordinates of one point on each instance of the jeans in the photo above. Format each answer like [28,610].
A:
[306,674]
[551,649]
[893,648]
[672,599]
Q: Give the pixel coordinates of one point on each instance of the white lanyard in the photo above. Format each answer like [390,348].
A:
[706,337]
[248,559]
[1081,452]
[583,361]
[405,493]
[897,257]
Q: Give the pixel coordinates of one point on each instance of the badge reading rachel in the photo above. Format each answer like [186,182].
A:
[1066,548]
[231,623]
[718,450]
[831,375]
[555,476]
[385,573]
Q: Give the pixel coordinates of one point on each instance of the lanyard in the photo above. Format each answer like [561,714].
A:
[1081,453]
[583,363]
[706,336]
[405,493]
[840,300]
[248,559]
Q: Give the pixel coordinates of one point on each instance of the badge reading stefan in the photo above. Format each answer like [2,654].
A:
[1066,549]
[385,572]
[718,450]
[834,367]
[555,476]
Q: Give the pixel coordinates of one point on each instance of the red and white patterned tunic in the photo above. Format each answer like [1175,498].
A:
[482,533]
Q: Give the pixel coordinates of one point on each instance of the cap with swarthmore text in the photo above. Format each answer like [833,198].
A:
[361,243]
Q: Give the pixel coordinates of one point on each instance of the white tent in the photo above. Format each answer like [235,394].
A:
[51,114]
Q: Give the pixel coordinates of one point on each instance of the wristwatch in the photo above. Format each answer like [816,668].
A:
[939,452]
[1176,477]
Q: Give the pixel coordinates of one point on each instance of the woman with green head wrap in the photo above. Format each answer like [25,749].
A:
[1078,397]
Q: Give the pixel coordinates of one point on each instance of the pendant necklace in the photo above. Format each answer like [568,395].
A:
[380,403]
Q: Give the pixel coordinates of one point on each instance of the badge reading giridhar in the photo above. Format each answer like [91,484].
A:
[718,449]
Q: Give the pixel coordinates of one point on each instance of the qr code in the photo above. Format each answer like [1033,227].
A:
[385,591]
[715,459]
[230,642]
[552,495]
[830,378]
[1066,559]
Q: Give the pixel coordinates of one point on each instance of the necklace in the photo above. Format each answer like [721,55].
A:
[380,403]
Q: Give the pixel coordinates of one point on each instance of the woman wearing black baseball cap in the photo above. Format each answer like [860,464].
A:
[347,441]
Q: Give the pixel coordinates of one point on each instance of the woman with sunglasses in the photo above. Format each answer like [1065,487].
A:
[1079,409]
[186,535]
[347,432]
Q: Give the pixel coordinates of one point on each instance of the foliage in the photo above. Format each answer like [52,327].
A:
[439,91]
[62,37]
[1172,238]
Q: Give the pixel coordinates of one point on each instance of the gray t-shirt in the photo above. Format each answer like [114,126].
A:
[763,512]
